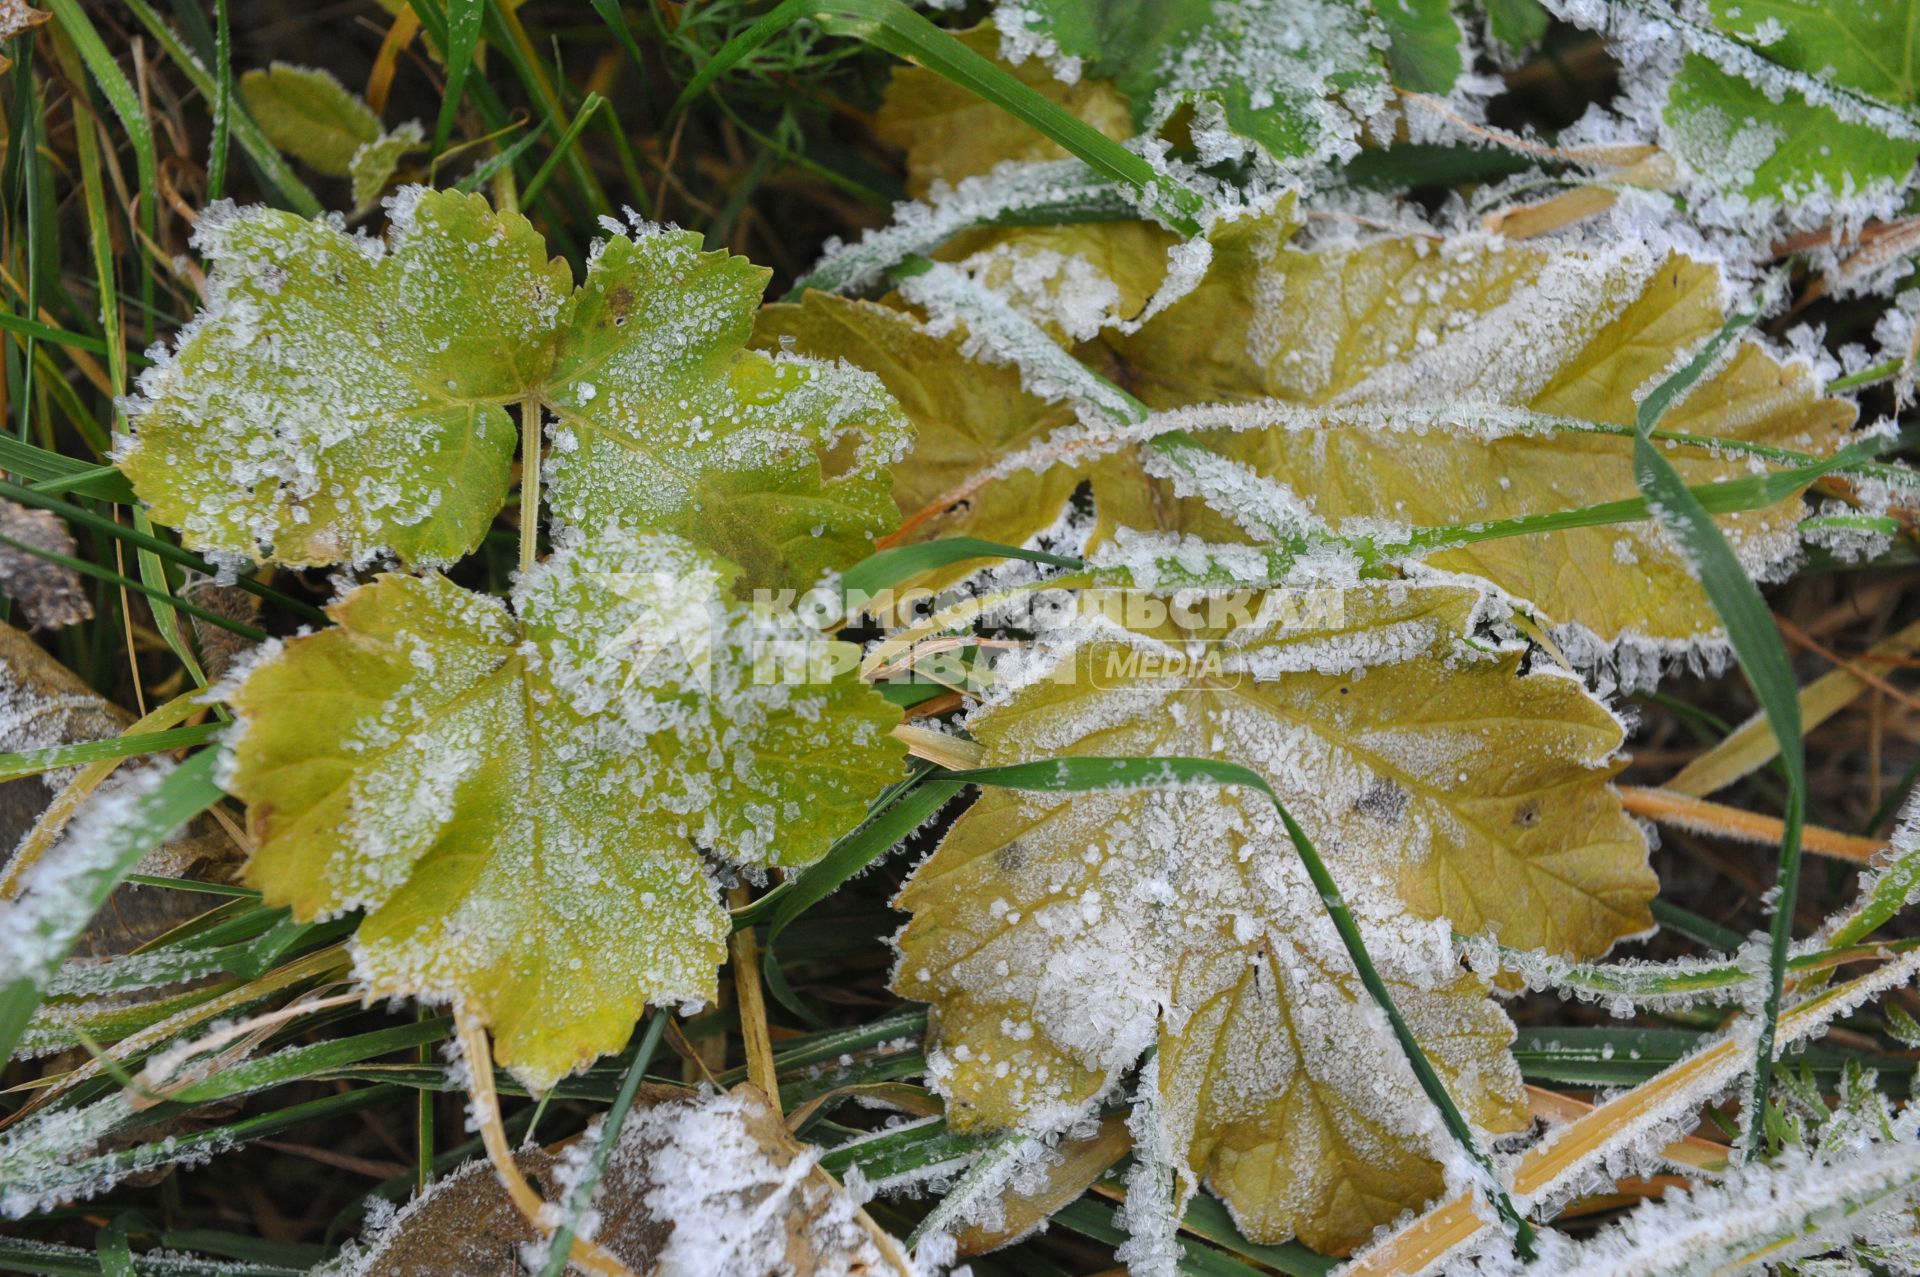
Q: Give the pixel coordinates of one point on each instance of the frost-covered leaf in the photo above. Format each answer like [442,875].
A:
[16,18]
[1295,77]
[340,396]
[1423,43]
[667,421]
[949,132]
[1516,25]
[310,115]
[701,1185]
[48,594]
[966,416]
[374,163]
[1779,102]
[343,397]
[1428,358]
[1071,280]
[519,798]
[1060,937]
[1733,133]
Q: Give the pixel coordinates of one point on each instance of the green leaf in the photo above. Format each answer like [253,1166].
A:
[1517,25]
[310,115]
[1737,137]
[375,162]
[667,421]
[1423,49]
[1782,100]
[1295,77]
[340,397]
[519,799]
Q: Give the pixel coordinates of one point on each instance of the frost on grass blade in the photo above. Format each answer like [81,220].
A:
[1803,1205]
[519,798]
[666,421]
[340,397]
[1060,936]
[1471,329]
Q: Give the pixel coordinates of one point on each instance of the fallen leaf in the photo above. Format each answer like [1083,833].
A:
[1061,937]
[700,1185]
[48,594]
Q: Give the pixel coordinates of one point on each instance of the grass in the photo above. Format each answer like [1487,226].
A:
[746,123]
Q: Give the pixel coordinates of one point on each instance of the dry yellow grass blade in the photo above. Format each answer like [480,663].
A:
[1751,745]
[753,1008]
[1706,817]
[1701,1154]
[1418,1246]
[952,752]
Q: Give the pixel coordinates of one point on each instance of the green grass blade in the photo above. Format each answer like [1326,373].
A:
[273,170]
[165,549]
[589,105]
[483,172]
[46,332]
[46,1259]
[222,100]
[1090,1217]
[297,1063]
[1763,659]
[887,568]
[156,596]
[464,18]
[581,1195]
[34,761]
[609,11]
[38,939]
[126,105]
[30,461]
[908,806]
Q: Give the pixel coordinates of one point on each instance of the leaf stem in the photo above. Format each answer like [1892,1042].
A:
[529,482]
[753,1008]
[486,1107]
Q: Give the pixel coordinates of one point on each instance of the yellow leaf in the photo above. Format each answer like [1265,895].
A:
[520,798]
[1467,331]
[949,132]
[966,416]
[1060,937]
